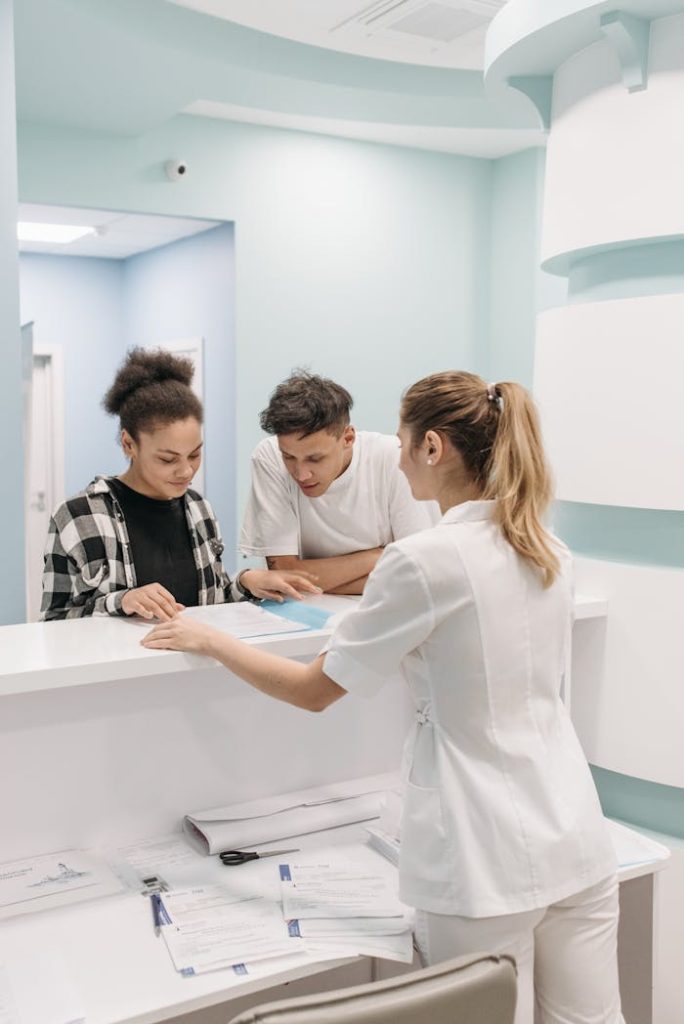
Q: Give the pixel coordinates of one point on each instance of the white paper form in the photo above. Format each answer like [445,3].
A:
[332,890]
[386,947]
[211,928]
[244,619]
[22,1001]
[340,927]
[53,880]
[169,857]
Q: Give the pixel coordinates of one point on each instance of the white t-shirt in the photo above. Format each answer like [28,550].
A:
[500,813]
[368,506]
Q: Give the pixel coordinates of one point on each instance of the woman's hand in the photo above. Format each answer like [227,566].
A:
[181,634]
[152,602]
[277,585]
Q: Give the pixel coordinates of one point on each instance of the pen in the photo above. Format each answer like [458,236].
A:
[156,912]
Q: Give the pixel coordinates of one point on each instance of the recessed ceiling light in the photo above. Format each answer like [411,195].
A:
[28,231]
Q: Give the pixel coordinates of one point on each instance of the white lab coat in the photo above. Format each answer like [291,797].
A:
[500,811]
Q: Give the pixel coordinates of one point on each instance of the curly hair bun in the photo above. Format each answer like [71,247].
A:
[141,368]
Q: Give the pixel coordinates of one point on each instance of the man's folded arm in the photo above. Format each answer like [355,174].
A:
[340,574]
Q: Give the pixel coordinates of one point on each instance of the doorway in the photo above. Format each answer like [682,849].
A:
[45,465]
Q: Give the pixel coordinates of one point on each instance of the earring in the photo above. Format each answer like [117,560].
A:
[429,462]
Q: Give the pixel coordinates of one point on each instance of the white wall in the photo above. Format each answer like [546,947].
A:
[11,416]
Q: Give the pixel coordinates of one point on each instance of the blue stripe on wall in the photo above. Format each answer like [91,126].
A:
[643,268]
[660,808]
[639,535]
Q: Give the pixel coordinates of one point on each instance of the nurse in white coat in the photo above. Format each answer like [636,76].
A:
[503,841]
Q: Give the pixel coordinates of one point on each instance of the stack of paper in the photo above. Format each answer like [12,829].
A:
[208,928]
[346,908]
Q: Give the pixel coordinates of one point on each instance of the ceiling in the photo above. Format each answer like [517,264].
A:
[486,143]
[126,68]
[436,33]
[120,235]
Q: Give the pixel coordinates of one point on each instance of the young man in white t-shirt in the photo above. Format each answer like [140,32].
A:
[324,498]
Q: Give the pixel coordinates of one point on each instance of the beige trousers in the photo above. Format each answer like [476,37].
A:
[566,954]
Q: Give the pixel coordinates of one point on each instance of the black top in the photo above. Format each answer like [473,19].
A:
[161,547]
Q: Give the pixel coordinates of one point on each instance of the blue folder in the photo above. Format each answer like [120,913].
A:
[307,614]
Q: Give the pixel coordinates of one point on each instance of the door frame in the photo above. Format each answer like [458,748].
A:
[53,356]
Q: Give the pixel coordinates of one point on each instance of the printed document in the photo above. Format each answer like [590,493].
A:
[243,619]
[386,947]
[54,880]
[332,890]
[211,928]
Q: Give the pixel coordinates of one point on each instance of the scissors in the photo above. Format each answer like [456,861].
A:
[234,857]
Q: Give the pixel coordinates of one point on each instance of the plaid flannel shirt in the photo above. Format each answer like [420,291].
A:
[88,562]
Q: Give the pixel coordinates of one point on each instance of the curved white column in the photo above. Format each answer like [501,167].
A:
[615,158]
[610,81]
[608,378]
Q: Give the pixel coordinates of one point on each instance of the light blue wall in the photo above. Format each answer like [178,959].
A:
[519,288]
[187,290]
[76,303]
[12,606]
[516,182]
[366,262]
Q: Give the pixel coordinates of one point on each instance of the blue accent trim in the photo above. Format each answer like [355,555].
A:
[309,616]
[629,36]
[656,268]
[563,263]
[642,536]
[240,969]
[293,929]
[649,804]
[538,89]
[285,875]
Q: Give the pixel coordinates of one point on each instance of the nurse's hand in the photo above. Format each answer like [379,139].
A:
[276,585]
[151,602]
[181,634]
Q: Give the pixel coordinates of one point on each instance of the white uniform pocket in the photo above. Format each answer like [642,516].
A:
[423,835]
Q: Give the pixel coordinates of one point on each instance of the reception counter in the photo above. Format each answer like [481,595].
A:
[103,743]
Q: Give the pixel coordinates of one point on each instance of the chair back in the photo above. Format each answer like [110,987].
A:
[477,989]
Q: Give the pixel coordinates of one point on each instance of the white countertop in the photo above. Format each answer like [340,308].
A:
[123,973]
[51,655]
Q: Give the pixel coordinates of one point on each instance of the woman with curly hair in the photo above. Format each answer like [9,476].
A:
[144,543]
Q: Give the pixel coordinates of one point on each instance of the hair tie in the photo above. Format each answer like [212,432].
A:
[493,396]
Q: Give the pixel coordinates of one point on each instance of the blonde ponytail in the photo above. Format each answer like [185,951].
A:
[519,479]
[495,428]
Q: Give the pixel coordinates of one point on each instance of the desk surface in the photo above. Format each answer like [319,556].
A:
[51,655]
[124,973]
[74,652]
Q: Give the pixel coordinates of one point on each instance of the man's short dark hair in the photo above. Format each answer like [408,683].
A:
[306,403]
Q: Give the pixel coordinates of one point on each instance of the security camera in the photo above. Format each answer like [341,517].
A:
[175,169]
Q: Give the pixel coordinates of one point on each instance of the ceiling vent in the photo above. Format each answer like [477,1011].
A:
[438,20]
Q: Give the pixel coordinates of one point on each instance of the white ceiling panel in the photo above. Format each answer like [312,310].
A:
[118,236]
[489,143]
[436,33]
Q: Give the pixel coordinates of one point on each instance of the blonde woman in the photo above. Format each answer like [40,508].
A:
[503,841]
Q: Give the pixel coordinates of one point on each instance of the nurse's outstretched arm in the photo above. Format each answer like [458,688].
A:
[305,686]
